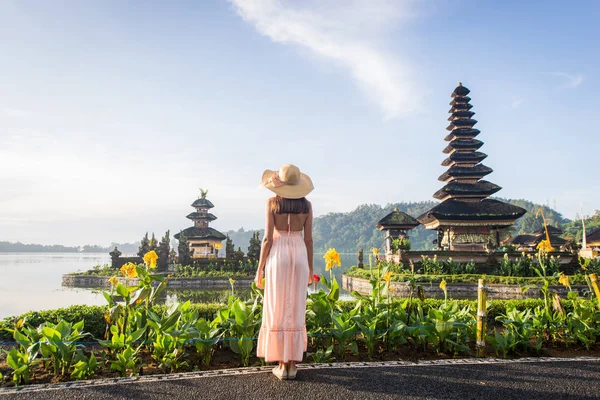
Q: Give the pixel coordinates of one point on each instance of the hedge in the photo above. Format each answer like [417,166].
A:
[577,279]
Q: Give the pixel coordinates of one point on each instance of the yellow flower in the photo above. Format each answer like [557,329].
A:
[128,270]
[375,251]
[150,259]
[232,281]
[113,281]
[107,318]
[388,276]
[564,280]
[545,247]
[20,323]
[332,259]
[443,285]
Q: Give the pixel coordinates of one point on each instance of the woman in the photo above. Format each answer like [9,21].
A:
[286,262]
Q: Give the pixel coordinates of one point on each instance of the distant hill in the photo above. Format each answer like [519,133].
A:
[18,247]
[350,231]
[528,223]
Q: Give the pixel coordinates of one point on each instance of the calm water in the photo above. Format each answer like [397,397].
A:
[32,281]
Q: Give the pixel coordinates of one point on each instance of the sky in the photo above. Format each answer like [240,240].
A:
[113,114]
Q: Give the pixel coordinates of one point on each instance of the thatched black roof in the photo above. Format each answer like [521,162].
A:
[593,236]
[463,144]
[555,241]
[466,133]
[460,107]
[461,123]
[472,157]
[488,209]
[460,114]
[460,90]
[204,203]
[535,239]
[397,220]
[480,189]
[197,215]
[477,171]
[521,240]
[195,232]
[460,100]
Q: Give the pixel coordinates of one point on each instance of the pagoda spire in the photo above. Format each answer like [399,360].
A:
[463,177]
[466,219]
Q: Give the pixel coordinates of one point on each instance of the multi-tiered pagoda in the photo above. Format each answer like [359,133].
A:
[466,219]
[204,241]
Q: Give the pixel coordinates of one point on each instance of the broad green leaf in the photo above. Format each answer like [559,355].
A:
[334,293]
[135,336]
[123,291]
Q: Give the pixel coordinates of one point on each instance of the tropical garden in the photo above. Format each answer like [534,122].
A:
[132,334]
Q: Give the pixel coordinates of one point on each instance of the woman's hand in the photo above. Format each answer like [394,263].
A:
[311,279]
[258,280]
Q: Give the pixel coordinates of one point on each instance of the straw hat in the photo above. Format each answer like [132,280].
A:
[288,182]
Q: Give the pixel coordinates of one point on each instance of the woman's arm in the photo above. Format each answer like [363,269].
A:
[266,245]
[308,240]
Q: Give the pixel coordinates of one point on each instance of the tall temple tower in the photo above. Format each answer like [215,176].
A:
[203,240]
[466,219]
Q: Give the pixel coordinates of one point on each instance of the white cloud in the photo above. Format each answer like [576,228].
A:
[345,32]
[570,81]
[15,112]
[516,103]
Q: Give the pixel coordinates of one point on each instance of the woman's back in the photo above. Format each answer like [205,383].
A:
[281,217]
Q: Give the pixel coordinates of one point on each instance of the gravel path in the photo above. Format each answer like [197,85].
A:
[444,379]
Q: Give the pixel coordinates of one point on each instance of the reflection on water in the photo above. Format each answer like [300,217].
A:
[32,281]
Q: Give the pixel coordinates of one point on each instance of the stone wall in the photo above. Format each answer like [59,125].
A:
[455,290]
[94,281]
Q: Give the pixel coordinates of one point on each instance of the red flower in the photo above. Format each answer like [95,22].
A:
[316,278]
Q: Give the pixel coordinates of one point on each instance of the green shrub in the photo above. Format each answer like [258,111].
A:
[92,315]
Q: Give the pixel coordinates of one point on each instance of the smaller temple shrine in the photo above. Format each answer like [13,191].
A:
[396,225]
[204,241]
[529,242]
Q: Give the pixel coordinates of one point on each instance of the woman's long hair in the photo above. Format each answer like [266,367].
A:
[282,205]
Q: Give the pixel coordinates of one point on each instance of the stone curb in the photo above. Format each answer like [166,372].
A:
[263,369]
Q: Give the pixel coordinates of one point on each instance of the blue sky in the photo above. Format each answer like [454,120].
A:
[113,114]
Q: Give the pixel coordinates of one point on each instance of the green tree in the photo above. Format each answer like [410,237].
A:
[183,248]
[254,248]
[153,243]
[144,246]
[163,252]
[574,229]
[229,248]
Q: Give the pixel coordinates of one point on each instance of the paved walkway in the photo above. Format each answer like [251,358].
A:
[530,378]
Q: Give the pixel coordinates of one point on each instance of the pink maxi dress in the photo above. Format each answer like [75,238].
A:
[282,335]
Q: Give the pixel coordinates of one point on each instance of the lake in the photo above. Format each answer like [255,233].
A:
[32,281]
